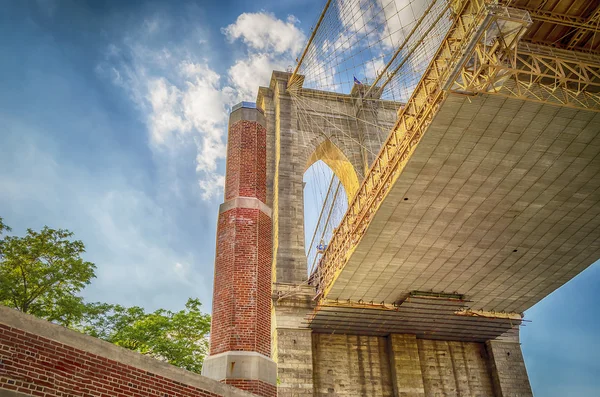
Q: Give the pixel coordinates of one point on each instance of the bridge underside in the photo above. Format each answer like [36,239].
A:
[482,200]
[427,318]
[498,205]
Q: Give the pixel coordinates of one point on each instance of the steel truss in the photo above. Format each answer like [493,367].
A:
[481,54]
[593,21]
[532,72]
[560,19]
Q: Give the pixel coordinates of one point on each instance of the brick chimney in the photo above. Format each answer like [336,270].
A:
[240,337]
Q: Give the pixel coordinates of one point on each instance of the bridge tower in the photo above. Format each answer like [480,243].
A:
[481,199]
[263,299]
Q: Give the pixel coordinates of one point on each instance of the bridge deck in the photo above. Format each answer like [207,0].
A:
[568,24]
[499,203]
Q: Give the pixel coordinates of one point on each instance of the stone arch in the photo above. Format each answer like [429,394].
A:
[304,126]
[335,159]
[301,129]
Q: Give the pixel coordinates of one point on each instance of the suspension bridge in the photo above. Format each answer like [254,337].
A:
[498,203]
[463,138]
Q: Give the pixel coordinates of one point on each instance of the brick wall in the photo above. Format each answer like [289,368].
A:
[241,316]
[38,358]
[254,386]
[246,161]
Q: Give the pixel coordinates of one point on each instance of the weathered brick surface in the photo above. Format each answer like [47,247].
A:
[38,366]
[246,161]
[454,368]
[508,369]
[351,365]
[254,386]
[241,317]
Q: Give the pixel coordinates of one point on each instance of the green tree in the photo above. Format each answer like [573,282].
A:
[179,338]
[3,227]
[42,274]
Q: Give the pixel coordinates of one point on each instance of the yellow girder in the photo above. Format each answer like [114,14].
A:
[481,54]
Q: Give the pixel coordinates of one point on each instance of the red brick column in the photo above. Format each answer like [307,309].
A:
[240,339]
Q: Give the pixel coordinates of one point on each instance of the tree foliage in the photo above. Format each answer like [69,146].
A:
[179,338]
[3,227]
[42,274]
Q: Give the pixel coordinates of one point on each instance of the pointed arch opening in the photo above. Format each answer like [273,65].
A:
[330,154]
[325,203]
[330,182]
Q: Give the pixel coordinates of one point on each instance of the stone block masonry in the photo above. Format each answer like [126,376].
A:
[401,365]
[240,339]
[38,358]
[454,368]
[351,365]
[509,374]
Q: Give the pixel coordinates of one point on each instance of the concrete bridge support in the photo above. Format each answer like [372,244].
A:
[403,366]
[321,364]
[301,131]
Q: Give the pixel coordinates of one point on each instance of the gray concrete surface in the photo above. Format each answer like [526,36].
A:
[240,365]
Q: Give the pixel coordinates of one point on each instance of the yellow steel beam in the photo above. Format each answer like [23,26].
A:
[413,120]
[558,18]
[359,305]
[480,54]
[593,21]
[536,73]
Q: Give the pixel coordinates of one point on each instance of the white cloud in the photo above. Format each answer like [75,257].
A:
[183,100]
[356,15]
[246,75]
[272,44]
[373,68]
[204,104]
[212,186]
[263,32]
[401,16]
[165,116]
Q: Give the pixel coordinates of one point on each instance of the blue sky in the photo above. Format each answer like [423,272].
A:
[113,125]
